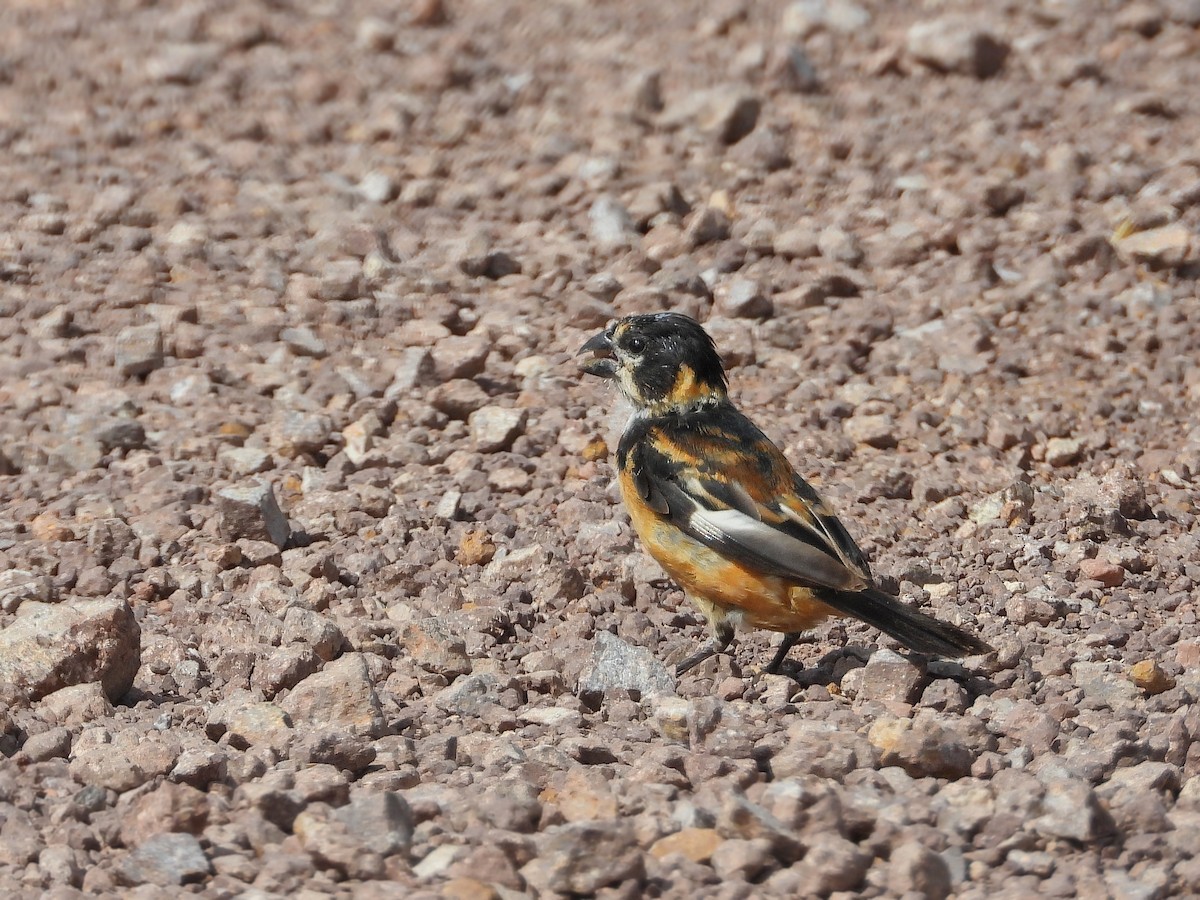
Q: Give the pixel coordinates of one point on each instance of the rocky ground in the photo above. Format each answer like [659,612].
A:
[289,296]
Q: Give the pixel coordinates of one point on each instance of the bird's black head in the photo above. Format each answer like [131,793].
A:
[661,361]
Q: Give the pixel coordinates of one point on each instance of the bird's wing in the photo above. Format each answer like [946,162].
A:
[734,491]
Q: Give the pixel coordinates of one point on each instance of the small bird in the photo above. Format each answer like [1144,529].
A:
[719,507]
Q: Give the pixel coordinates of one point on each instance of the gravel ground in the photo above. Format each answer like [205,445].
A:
[313,578]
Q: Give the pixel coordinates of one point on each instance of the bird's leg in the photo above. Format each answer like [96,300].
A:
[721,639]
[790,640]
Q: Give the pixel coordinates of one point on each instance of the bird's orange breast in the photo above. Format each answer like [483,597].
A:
[763,600]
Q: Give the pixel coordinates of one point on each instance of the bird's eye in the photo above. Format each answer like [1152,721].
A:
[635,344]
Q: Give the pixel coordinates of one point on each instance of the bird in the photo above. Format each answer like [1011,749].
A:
[719,507]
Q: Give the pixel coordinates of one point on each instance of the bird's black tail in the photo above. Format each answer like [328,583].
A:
[911,627]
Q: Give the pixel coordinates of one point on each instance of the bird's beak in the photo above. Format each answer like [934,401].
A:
[602,364]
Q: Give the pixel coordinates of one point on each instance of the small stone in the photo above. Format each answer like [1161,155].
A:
[706,225]
[434,648]
[166,860]
[494,428]
[460,356]
[743,860]
[730,114]
[583,857]
[611,225]
[243,461]
[19,585]
[382,823]
[921,747]
[1070,809]
[695,844]
[618,664]
[1150,677]
[475,548]
[1108,574]
[250,511]
[139,349]
[459,398]
[833,863]
[877,431]
[1169,246]
[1062,452]
[378,187]
[341,694]
[957,44]
[805,17]
[304,342]
[915,869]
[299,433]
[52,646]
[336,747]
[743,298]
[341,281]
[888,676]
[841,246]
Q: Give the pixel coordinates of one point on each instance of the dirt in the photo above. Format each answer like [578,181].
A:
[313,577]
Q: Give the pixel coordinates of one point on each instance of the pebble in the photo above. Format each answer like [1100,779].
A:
[743,298]
[958,44]
[1170,246]
[342,694]
[166,860]
[617,664]
[250,511]
[1150,677]
[805,17]
[583,857]
[1061,452]
[611,225]
[494,428]
[139,349]
[52,646]
[922,747]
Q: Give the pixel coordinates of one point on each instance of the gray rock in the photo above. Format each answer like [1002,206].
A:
[889,676]
[167,860]
[583,857]
[833,863]
[915,869]
[139,349]
[303,341]
[1070,809]
[244,461]
[383,823]
[52,646]
[299,433]
[470,695]
[743,298]
[250,511]
[19,585]
[337,747]
[618,664]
